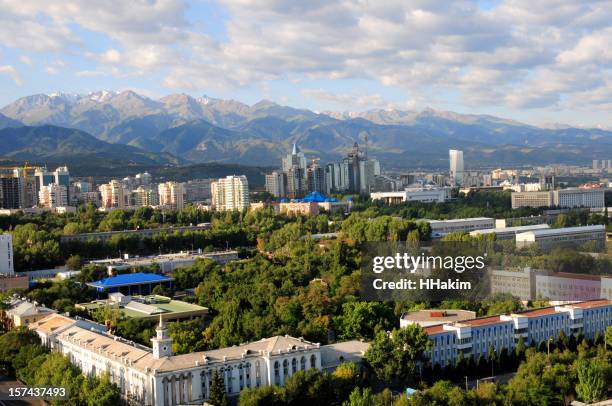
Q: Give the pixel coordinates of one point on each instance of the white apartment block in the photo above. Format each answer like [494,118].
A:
[421,194]
[474,337]
[53,195]
[157,377]
[566,198]
[547,239]
[442,227]
[230,193]
[6,254]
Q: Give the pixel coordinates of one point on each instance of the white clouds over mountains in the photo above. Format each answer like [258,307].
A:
[521,54]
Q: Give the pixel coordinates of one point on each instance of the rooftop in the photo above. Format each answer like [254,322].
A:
[441,315]
[130,279]
[516,229]
[554,231]
[461,220]
[146,306]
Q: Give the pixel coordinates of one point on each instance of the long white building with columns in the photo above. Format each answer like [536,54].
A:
[154,376]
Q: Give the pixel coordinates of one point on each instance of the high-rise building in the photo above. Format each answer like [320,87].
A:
[144,196]
[171,194]
[230,193]
[276,184]
[10,192]
[197,190]
[315,176]
[53,195]
[456,167]
[113,195]
[295,158]
[6,254]
[61,176]
[297,185]
[547,182]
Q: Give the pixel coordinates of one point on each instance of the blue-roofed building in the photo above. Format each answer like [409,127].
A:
[132,283]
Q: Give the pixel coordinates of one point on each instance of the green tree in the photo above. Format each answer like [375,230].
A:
[217,395]
[262,396]
[104,393]
[364,320]
[360,397]
[394,357]
[74,263]
[591,385]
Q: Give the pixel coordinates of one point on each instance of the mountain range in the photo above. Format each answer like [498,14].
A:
[180,129]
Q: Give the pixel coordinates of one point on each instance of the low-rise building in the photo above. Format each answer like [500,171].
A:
[155,376]
[548,239]
[147,307]
[420,194]
[474,337]
[23,312]
[440,228]
[138,283]
[13,281]
[508,233]
[566,198]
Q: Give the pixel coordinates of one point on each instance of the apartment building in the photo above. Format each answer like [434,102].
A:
[475,337]
[230,193]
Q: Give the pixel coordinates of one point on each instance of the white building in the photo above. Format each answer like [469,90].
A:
[547,239]
[433,317]
[6,254]
[565,198]
[440,228]
[563,287]
[416,194]
[53,195]
[157,377]
[230,193]
[171,194]
[474,337]
[456,167]
[508,233]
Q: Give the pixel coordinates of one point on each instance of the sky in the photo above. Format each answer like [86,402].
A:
[541,62]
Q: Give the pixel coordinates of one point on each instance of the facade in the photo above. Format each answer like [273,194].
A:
[171,194]
[113,195]
[442,227]
[548,239]
[519,283]
[299,208]
[53,195]
[508,233]
[144,196]
[24,312]
[14,281]
[10,193]
[420,194]
[154,376]
[197,190]
[456,167]
[432,317]
[276,184]
[566,198]
[6,254]
[474,337]
[230,193]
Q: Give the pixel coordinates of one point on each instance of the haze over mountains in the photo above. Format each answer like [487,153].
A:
[182,129]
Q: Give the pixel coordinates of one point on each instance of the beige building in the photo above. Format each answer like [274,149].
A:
[24,312]
[53,195]
[230,193]
[114,195]
[171,194]
[566,198]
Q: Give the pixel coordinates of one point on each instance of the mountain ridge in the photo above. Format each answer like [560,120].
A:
[207,129]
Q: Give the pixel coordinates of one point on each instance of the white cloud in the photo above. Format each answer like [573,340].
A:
[12,72]
[520,53]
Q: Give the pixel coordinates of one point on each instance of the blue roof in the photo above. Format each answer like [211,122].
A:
[138,278]
[318,197]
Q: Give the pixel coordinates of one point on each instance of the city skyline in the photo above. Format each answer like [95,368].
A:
[540,64]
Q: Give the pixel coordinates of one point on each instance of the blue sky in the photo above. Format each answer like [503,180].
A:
[541,62]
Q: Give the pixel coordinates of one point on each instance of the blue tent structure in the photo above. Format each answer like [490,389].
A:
[139,283]
[317,197]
